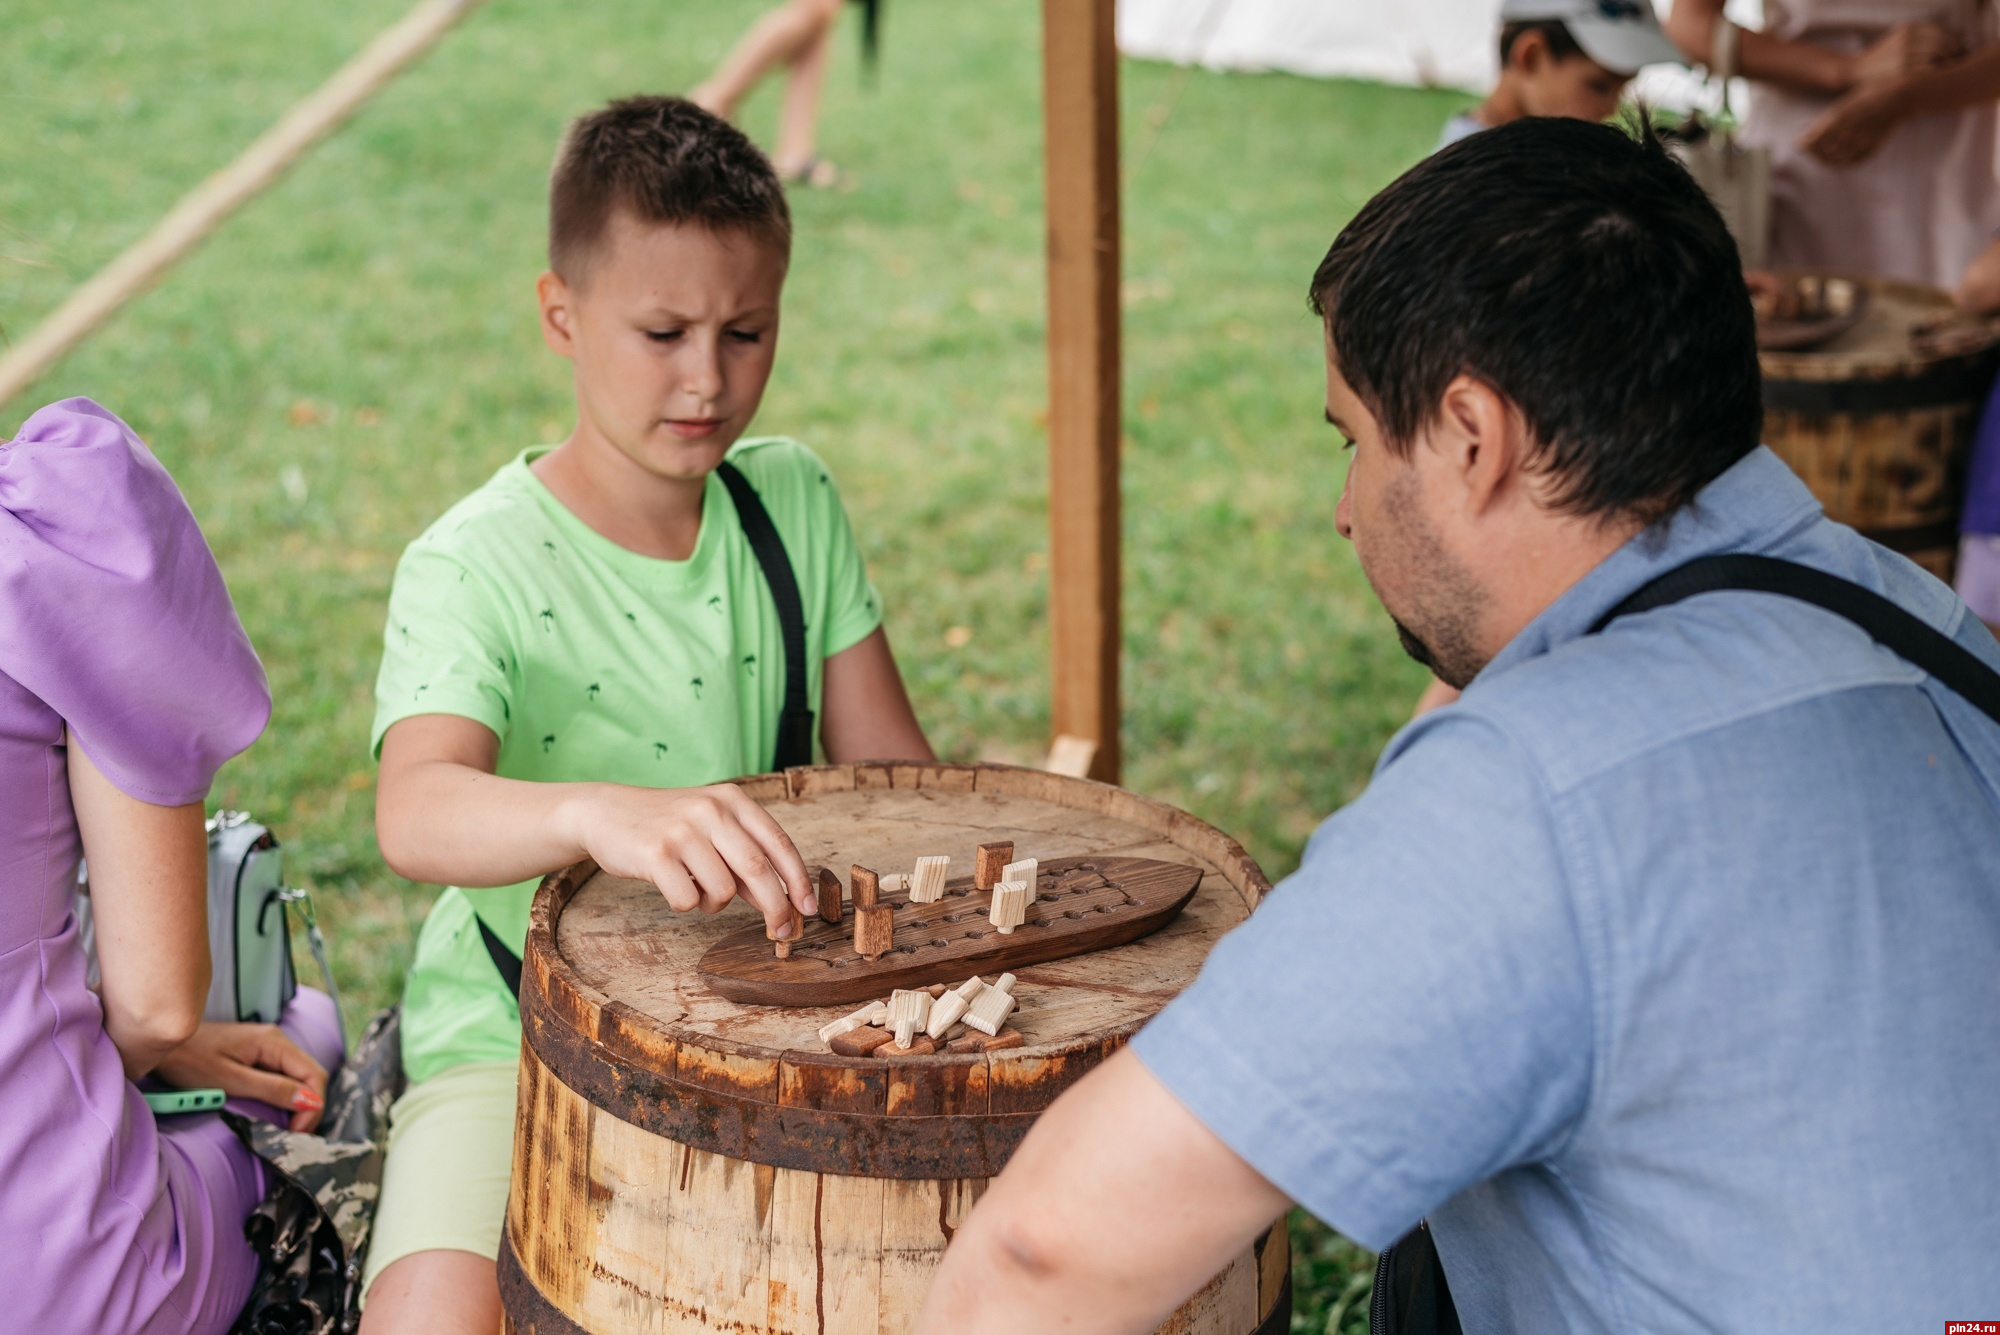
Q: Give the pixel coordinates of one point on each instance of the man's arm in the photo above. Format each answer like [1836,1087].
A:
[442,815]
[1807,66]
[1852,129]
[866,713]
[1116,1208]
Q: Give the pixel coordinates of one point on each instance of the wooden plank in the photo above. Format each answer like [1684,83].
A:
[202,209]
[1080,108]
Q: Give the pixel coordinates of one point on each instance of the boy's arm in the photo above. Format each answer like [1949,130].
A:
[442,815]
[865,713]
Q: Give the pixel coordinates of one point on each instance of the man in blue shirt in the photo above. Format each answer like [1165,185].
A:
[1661,973]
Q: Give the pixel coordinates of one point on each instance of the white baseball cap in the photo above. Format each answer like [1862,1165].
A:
[1620,35]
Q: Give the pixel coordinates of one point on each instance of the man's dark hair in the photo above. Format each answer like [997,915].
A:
[664,160]
[1580,272]
[1554,31]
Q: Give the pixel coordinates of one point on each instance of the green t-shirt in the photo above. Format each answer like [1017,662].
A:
[593,663]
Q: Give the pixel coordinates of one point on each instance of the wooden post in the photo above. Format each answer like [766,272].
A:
[204,207]
[1080,101]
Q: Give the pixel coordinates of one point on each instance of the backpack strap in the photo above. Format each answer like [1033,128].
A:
[795,721]
[1889,625]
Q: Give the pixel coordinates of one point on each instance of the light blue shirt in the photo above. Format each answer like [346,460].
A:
[1661,972]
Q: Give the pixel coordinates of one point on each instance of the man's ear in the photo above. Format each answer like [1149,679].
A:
[558,313]
[1482,439]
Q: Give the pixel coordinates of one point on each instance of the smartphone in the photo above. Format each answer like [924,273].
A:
[165,1101]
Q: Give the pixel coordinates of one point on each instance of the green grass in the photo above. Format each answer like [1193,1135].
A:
[357,348]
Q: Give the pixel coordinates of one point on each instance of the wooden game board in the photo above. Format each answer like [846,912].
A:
[1081,904]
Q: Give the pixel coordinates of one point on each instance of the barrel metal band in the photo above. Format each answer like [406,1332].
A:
[1948,384]
[528,1311]
[846,1143]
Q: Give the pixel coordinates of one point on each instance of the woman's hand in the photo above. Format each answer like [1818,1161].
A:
[250,1061]
[1852,129]
[1907,48]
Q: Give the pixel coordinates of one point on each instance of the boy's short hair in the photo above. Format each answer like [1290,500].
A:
[1579,271]
[1555,32]
[665,160]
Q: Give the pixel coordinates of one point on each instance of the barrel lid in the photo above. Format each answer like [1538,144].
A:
[613,1004]
[1887,341]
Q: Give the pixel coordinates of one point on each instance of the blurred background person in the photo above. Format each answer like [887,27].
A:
[798,35]
[1565,58]
[1880,163]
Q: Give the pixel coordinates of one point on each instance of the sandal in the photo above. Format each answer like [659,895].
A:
[815,172]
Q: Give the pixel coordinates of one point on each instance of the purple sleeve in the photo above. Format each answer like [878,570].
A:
[112,609]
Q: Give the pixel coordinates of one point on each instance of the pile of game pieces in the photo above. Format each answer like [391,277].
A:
[969,1018]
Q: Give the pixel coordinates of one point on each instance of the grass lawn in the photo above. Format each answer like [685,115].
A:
[357,349]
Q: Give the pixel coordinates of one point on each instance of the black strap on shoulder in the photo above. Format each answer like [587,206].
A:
[1895,629]
[795,721]
[505,960]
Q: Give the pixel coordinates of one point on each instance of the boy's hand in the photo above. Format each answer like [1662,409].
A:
[701,846]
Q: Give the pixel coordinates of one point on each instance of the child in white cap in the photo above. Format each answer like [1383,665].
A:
[1565,58]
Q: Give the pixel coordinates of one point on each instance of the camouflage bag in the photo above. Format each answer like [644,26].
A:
[311,1229]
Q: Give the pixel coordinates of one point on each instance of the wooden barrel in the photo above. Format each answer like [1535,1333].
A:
[687,1163]
[1879,427]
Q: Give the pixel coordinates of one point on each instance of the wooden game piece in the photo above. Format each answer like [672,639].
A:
[860,1042]
[1104,901]
[1010,906]
[895,883]
[1025,871]
[988,863]
[874,930]
[951,1006]
[849,1023]
[936,990]
[991,1008]
[978,1042]
[783,945]
[879,1017]
[827,886]
[921,1045]
[867,886]
[908,1013]
[927,882]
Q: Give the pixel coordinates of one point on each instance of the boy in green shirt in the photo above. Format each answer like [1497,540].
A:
[579,653]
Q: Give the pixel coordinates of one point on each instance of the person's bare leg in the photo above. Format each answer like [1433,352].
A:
[798,115]
[781,37]
[434,1293]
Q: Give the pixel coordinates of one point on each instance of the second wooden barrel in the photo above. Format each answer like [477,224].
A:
[1880,428]
[684,1163]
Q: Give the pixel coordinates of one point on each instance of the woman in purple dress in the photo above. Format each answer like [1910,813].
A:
[125,683]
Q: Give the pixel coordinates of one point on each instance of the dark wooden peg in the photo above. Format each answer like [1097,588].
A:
[874,930]
[827,886]
[861,1042]
[992,859]
[867,887]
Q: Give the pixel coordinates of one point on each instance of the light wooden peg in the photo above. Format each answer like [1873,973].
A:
[848,1023]
[991,1008]
[827,886]
[895,883]
[927,882]
[783,945]
[949,1008]
[1010,906]
[989,861]
[1027,871]
[908,1013]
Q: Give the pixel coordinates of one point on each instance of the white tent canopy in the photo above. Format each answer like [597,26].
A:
[1448,43]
